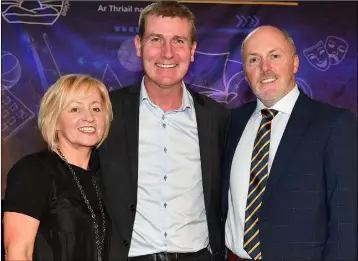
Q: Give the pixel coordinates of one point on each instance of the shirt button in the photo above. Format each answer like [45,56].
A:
[164,125]
[132,208]
[165,178]
[163,117]
[165,150]
[165,234]
[165,205]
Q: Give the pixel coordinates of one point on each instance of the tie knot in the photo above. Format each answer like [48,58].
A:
[268,113]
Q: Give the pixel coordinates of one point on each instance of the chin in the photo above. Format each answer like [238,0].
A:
[90,146]
[168,84]
[89,143]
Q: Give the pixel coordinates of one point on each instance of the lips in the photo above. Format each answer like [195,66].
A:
[268,77]
[87,129]
[166,66]
[268,80]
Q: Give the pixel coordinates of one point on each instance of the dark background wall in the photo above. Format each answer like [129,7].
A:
[95,37]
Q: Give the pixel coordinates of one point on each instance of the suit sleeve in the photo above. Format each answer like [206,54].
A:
[226,168]
[341,178]
[225,129]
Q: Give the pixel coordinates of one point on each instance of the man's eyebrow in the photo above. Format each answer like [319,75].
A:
[153,34]
[276,49]
[161,36]
[271,51]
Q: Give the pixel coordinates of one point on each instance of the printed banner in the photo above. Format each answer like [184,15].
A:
[44,39]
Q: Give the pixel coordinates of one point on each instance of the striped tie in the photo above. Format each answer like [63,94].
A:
[257,185]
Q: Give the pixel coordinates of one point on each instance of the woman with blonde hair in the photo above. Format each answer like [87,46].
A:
[53,208]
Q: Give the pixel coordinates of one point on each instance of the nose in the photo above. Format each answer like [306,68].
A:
[167,50]
[265,65]
[89,116]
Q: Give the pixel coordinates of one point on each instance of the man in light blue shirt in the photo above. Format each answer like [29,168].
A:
[161,163]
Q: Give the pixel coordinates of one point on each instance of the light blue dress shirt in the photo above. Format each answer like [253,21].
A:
[170,213]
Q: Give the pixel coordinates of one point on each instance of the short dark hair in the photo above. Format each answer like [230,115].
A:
[166,9]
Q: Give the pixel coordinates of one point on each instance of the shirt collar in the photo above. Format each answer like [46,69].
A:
[284,105]
[187,100]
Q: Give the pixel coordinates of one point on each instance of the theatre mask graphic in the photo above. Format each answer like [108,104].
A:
[317,56]
[336,48]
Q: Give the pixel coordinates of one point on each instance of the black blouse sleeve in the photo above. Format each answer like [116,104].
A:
[28,187]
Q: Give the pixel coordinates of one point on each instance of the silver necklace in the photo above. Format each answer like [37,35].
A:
[99,239]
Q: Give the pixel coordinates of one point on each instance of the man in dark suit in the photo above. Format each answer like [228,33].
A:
[161,163]
[290,164]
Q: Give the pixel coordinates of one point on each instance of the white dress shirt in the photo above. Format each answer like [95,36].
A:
[241,164]
[171,214]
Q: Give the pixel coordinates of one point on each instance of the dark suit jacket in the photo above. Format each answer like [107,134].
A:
[309,209]
[119,166]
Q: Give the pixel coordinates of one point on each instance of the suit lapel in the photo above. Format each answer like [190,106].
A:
[131,119]
[296,126]
[203,122]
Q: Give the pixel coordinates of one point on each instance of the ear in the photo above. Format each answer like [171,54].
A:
[296,62]
[137,45]
[192,51]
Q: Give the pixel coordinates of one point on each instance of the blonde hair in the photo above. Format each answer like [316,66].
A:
[59,95]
